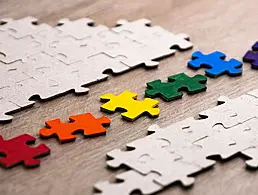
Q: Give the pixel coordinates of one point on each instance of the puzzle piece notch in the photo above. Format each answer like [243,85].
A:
[84,122]
[252,56]
[127,101]
[176,83]
[16,151]
[215,64]
[132,181]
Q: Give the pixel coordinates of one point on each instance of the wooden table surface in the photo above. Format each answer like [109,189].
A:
[229,26]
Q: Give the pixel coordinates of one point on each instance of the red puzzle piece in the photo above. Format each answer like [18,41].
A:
[16,150]
[84,122]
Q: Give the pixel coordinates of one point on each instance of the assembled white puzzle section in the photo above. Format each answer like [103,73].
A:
[38,59]
[182,149]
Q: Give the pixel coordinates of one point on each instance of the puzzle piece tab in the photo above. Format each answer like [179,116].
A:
[215,64]
[127,101]
[16,150]
[252,56]
[84,122]
[176,83]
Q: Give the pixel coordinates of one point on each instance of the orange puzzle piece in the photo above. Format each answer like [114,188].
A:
[83,122]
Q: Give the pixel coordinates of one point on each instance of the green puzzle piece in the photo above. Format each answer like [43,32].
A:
[176,83]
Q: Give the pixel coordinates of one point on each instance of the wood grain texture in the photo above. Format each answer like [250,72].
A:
[72,169]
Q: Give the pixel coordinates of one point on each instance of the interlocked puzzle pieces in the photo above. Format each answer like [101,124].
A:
[182,149]
[15,151]
[127,101]
[84,122]
[40,60]
[252,56]
[176,83]
[215,64]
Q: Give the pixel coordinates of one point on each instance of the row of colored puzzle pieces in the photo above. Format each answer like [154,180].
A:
[91,126]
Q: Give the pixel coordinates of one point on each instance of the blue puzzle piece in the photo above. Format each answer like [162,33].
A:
[215,64]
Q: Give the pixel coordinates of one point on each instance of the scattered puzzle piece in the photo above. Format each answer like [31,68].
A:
[252,56]
[215,64]
[84,122]
[16,150]
[176,83]
[127,101]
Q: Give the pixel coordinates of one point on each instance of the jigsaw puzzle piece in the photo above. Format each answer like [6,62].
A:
[6,107]
[16,150]
[11,100]
[177,171]
[87,27]
[227,142]
[182,134]
[46,70]
[63,50]
[135,56]
[84,122]
[176,83]
[127,101]
[252,56]
[140,151]
[194,155]
[102,62]
[132,181]
[151,156]
[23,27]
[231,112]
[24,47]
[212,146]
[215,64]
[153,36]
[116,45]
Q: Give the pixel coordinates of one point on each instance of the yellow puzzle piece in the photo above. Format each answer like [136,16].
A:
[127,101]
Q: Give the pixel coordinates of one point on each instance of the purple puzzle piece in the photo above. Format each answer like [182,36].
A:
[252,56]
[255,46]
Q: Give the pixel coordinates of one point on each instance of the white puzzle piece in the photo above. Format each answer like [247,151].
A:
[71,55]
[131,182]
[23,27]
[182,149]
